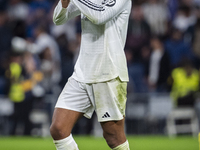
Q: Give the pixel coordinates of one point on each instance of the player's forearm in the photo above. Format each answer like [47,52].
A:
[65,3]
[100,13]
[61,14]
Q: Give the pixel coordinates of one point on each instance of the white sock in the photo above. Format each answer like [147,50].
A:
[124,146]
[66,144]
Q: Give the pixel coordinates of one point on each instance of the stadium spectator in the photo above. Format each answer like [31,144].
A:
[195,36]
[24,78]
[17,10]
[173,7]
[184,18]
[177,48]
[20,92]
[159,68]
[39,13]
[185,83]
[16,93]
[48,49]
[145,57]
[5,45]
[5,34]
[137,75]
[156,14]
[33,77]
[138,32]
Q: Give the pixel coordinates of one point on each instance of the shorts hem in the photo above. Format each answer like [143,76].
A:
[84,113]
[111,119]
[69,109]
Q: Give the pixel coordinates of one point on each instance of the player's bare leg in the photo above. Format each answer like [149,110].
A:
[113,132]
[62,123]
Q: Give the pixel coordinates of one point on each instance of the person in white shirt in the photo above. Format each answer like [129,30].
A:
[47,46]
[100,75]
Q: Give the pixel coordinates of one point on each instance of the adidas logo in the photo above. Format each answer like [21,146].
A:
[106,115]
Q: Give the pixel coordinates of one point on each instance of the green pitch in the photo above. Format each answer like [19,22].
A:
[92,143]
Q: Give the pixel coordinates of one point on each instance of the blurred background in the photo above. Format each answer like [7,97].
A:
[163,56]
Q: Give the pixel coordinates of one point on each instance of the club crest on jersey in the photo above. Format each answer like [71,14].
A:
[109,3]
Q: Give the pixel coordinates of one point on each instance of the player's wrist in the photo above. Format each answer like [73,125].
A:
[65,3]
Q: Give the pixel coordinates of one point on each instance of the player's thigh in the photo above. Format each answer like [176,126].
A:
[63,121]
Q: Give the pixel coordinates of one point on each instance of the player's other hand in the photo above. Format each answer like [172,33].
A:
[65,3]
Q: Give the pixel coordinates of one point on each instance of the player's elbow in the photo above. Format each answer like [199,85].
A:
[102,20]
[99,22]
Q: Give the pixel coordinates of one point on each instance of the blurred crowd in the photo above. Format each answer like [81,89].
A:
[37,57]
[162,48]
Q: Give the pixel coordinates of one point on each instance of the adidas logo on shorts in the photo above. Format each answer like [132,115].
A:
[106,115]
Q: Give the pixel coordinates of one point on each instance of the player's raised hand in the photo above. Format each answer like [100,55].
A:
[65,3]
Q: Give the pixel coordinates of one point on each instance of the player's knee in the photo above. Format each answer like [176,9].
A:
[57,131]
[111,139]
[54,129]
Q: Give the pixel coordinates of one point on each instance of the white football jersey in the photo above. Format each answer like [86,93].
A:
[104,29]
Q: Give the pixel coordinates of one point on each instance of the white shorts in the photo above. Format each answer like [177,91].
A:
[107,99]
